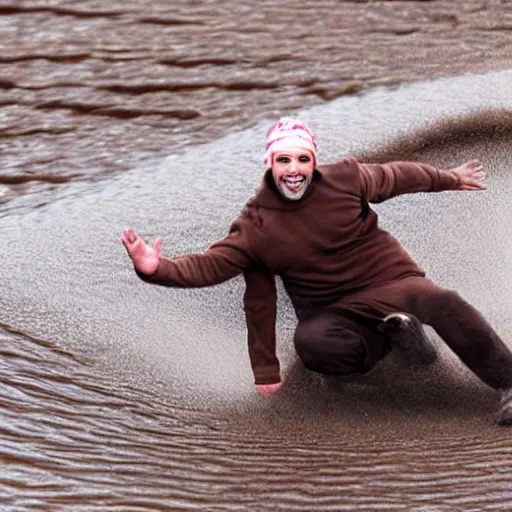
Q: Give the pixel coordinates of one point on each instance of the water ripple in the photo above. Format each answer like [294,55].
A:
[204,70]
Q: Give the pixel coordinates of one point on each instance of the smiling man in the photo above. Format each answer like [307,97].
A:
[356,292]
[292,172]
[291,154]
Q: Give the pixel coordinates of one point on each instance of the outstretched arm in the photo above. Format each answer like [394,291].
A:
[383,181]
[221,261]
[260,306]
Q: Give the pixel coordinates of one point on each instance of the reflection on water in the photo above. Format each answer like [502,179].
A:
[119,396]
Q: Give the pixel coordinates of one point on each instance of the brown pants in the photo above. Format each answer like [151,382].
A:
[343,337]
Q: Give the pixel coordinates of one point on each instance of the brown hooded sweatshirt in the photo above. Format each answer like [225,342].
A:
[325,246]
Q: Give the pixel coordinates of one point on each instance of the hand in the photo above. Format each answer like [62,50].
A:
[145,258]
[472,175]
[268,389]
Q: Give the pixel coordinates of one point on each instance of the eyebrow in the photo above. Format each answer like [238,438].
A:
[304,153]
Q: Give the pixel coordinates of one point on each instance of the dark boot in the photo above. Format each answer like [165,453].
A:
[505,411]
[406,332]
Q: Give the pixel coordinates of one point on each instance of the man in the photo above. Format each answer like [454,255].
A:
[355,290]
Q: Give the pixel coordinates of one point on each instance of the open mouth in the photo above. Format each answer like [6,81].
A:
[294,184]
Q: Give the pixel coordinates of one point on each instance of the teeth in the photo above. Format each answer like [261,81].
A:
[294,186]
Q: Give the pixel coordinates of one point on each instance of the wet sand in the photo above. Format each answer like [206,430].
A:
[119,396]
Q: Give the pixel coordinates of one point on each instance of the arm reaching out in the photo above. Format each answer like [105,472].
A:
[145,258]
[384,181]
[223,260]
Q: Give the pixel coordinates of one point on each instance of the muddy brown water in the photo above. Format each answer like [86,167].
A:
[119,396]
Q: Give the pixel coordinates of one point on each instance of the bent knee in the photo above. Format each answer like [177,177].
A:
[324,330]
[327,346]
[308,331]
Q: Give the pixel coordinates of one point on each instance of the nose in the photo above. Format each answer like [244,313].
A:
[293,166]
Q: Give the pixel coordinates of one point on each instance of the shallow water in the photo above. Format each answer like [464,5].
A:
[119,396]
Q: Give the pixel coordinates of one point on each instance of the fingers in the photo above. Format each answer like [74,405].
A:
[472,175]
[472,170]
[473,185]
[132,242]
[129,236]
[157,245]
[138,250]
[479,174]
[125,240]
[471,167]
[475,165]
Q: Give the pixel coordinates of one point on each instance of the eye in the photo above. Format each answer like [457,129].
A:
[283,159]
[305,158]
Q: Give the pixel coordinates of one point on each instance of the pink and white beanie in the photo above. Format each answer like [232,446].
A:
[289,133]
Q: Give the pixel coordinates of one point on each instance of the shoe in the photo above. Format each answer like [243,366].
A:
[505,411]
[406,332]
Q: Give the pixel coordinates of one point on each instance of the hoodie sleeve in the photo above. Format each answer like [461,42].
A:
[260,306]
[223,260]
[384,181]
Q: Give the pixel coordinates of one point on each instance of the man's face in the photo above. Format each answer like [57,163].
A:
[292,171]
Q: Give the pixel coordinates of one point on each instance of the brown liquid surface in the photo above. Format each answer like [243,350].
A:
[88,90]
[118,396]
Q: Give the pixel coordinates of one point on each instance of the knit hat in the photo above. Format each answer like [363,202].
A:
[289,133]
